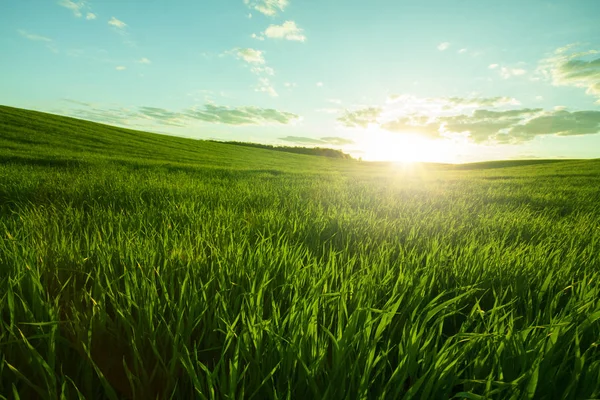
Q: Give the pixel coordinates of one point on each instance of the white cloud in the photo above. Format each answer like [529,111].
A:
[539,98]
[409,104]
[334,101]
[290,84]
[121,68]
[263,70]
[506,72]
[443,46]
[144,60]
[258,37]
[264,85]
[117,23]
[267,7]
[75,7]
[251,56]
[319,84]
[580,69]
[288,30]
[493,66]
[462,51]
[256,60]
[90,16]
[34,37]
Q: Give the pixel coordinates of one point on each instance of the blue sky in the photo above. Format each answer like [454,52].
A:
[437,80]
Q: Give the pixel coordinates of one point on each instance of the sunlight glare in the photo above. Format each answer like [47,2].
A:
[381,145]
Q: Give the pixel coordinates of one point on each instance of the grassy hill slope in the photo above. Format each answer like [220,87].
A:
[34,137]
[141,266]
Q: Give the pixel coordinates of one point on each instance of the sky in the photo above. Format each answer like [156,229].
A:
[384,80]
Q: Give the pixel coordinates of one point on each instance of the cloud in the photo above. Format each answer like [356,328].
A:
[34,37]
[144,60]
[408,104]
[443,46]
[479,101]
[255,58]
[493,66]
[77,102]
[334,141]
[507,127]
[288,31]
[248,115]
[251,56]
[470,117]
[319,84]
[90,16]
[115,116]
[506,72]
[560,123]
[75,7]
[416,124]
[580,69]
[485,125]
[263,71]
[290,84]
[267,7]
[163,116]
[360,118]
[120,68]
[264,85]
[302,140]
[462,51]
[117,23]
[337,141]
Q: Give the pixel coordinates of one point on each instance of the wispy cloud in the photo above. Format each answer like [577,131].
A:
[248,115]
[50,45]
[288,31]
[334,141]
[506,72]
[75,7]
[209,113]
[319,84]
[407,104]
[267,7]
[118,24]
[144,60]
[443,46]
[251,56]
[90,16]
[122,29]
[34,37]
[120,68]
[264,85]
[577,69]
[462,51]
[493,66]
[256,60]
[360,118]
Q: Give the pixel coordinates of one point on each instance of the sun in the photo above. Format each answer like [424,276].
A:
[380,145]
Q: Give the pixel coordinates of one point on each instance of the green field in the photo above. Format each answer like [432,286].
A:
[136,265]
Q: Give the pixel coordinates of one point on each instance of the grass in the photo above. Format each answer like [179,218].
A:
[135,265]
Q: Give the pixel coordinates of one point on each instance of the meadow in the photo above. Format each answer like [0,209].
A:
[141,266]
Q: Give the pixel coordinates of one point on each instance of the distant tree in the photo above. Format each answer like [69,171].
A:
[315,151]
